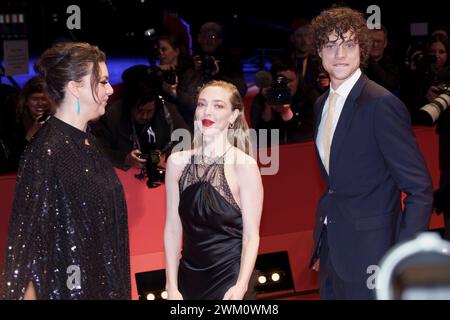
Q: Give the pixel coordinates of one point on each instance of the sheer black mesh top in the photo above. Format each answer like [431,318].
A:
[210,170]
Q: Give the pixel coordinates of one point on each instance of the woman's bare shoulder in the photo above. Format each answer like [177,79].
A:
[241,159]
[179,159]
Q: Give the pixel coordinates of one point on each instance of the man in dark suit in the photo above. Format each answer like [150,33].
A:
[368,155]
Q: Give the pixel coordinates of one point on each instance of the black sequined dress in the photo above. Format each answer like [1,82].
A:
[68,232]
[212,231]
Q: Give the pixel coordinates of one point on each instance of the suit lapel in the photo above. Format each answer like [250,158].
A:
[319,109]
[345,119]
[318,113]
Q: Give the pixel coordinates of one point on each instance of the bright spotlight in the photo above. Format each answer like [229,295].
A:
[275,276]
[262,279]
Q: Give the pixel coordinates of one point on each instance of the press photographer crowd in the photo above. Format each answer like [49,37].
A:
[155,99]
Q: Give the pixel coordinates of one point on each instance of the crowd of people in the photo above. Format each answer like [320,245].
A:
[173,83]
[335,83]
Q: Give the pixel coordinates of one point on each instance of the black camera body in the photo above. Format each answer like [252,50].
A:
[279,92]
[208,64]
[430,113]
[155,174]
[442,88]
[169,76]
[424,61]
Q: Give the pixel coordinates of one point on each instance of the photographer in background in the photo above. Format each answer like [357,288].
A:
[440,49]
[33,109]
[174,64]
[140,123]
[212,62]
[381,68]
[283,103]
[434,109]
[301,57]
[428,67]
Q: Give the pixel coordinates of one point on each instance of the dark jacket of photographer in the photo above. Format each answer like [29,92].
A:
[443,130]
[308,76]
[385,72]
[415,85]
[299,128]
[115,134]
[413,90]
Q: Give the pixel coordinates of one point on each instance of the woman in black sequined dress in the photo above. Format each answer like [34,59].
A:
[68,233]
[214,203]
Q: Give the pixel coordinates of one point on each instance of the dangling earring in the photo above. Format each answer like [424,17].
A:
[201,149]
[78,106]
[231,125]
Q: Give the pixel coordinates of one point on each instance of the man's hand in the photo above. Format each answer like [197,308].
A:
[162,160]
[198,65]
[197,62]
[132,159]
[283,109]
[170,88]
[316,265]
[33,129]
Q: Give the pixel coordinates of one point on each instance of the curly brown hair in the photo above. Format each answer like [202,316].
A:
[340,20]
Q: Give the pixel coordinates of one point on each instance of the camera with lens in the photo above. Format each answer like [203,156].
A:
[151,170]
[208,64]
[169,76]
[423,61]
[429,113]
[279,92]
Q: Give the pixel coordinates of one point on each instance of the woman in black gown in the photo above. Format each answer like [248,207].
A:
[68,233]
[214,203]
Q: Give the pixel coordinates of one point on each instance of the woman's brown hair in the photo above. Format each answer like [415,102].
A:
[69,61]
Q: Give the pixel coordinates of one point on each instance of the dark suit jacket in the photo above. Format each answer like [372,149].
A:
[374,157]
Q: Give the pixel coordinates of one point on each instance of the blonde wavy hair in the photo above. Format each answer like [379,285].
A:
[238,135]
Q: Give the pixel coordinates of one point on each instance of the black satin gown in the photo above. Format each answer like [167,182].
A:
[212,232]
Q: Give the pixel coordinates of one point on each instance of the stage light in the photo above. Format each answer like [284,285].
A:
[275,276]
[262,279]
[164,295]
[274,268]
[151,284]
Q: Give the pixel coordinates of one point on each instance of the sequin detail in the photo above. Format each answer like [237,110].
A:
[68,232]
